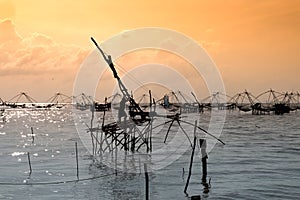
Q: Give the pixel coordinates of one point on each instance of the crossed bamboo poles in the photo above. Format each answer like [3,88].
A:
[114,131]
[130,138]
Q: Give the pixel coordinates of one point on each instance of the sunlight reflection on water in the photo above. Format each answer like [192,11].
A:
[259,161]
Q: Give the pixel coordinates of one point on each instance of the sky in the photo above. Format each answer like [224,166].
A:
[255,44]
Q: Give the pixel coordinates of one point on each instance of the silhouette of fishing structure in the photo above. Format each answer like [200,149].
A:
[24,101]
[186,105]
[219,101]
[59,100]
[292,100]
[15,102]
[82,101]
[133,129]
[107,104]
[244,101]
[145,101]
[2,110]
[124,132]
[170,102]
[178,102]
[267,102]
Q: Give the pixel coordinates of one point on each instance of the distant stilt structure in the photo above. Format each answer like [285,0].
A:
[21,100]
[219,101]
[244,101]
[82,101]
[59,100]
[200,105]
[267,102]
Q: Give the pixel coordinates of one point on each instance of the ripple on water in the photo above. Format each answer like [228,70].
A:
[255,163]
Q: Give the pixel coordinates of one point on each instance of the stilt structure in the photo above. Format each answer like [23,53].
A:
[200,105]
[219,101]
[21,100]
[82,101]
[244,101]
[59,100]
[135,132]
[188,106]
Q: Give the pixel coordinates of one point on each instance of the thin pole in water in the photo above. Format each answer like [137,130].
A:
[204,166]
[192,158]
[204,159]
[116,154]
[32,135]
[76,154]
[29,163]
[147,181]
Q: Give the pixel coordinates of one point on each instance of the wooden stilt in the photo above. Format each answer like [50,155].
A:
[191,161]
[204,166]
[151,135]
[29,163]
[91,127]
[204,160]
[146,182]
[116,156]
[32,135]
[77,167]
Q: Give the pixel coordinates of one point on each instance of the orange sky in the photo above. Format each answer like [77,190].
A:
[255,44]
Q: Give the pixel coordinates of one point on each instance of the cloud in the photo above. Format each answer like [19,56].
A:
[35,54]
[8,32]
[36,63]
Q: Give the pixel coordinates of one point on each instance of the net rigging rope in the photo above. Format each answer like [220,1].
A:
[135,80]
[56,182]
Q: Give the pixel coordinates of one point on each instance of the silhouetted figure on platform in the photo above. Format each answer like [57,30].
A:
[122,112]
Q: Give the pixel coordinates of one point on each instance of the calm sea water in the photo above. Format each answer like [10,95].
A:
[259,161]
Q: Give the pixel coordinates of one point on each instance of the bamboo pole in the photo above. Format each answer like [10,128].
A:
[204,159]
[76,154]
[192,158]
[32,135]
[116,155]
[29,163]
[146,182]
[151,134]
